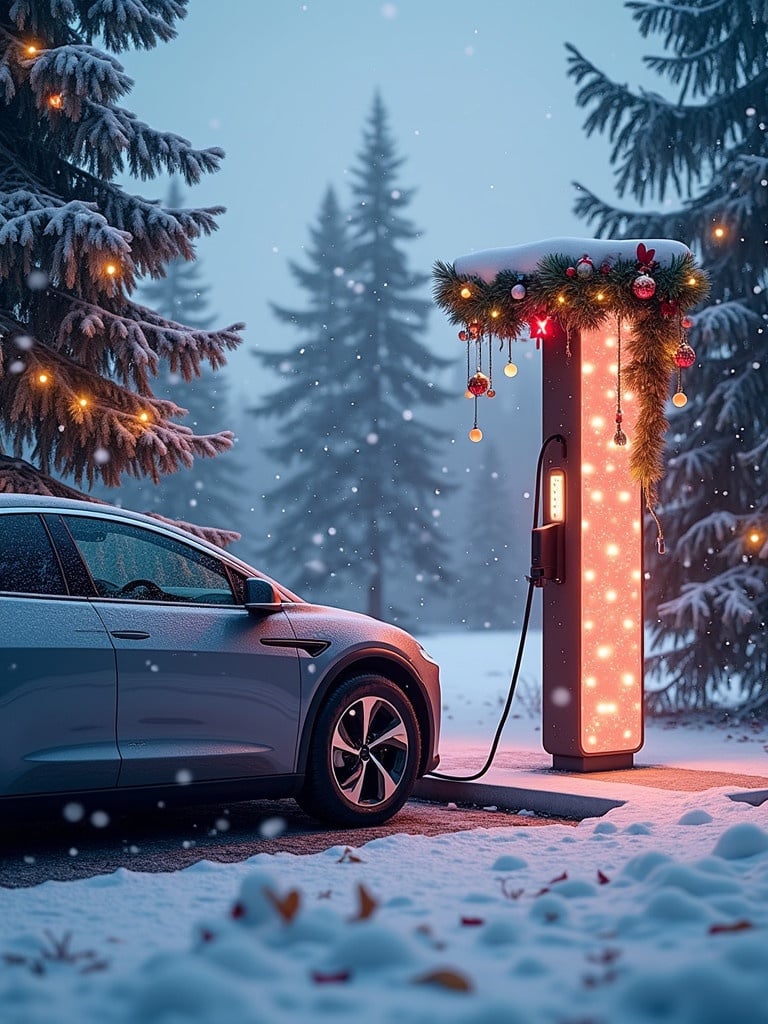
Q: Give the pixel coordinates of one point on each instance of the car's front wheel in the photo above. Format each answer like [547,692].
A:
[364,754]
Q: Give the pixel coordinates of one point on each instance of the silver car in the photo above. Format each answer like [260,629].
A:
[135,657]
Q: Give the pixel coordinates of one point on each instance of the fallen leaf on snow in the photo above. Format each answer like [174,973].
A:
[446,978]
[286,906]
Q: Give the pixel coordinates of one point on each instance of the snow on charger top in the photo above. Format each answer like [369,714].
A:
[524,259]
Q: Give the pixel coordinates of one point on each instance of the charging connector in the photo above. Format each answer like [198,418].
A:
[548,554]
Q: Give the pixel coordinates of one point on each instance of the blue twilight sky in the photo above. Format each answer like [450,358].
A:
[479,105]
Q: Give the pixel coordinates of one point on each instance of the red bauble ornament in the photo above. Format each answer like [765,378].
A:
[686,322]
[605,267]
[477,384]
[644,286]
[490,393]
[685,356]
[668,309]
[463,336]
[570,271]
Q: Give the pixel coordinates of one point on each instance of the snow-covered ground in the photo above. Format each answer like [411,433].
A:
[657,911]
[476,669]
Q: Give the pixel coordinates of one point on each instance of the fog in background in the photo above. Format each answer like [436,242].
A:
[482,112]
[479,107]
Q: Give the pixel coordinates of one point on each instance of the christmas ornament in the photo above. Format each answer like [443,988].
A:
[645,260]
[490,393]
[477,383]
[474,329]
[570,271]
[510,370]
[685,356]
[585,267]
[475,434]
[463,335]
[668,309]
[539,327]
[686,322]
[644,286]
[518,292]
[605,267]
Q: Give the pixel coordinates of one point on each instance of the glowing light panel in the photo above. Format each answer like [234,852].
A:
[611,560]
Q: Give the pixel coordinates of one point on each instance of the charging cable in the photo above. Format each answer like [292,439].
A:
[523,634]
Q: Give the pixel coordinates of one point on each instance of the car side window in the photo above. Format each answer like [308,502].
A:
[135,564]
[28,564]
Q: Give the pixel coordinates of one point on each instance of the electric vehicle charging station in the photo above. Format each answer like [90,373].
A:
[592,649]
[609,317]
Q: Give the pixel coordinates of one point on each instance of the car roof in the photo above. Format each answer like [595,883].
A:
[48,503]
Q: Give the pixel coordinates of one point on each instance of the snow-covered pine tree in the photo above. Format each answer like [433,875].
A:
[395,527]
[77,354]
[704,144]
[209,490]
[359,497]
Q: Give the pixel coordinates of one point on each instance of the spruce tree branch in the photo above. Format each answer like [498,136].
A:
[105,135]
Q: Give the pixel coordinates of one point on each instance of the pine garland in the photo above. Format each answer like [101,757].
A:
[586,303]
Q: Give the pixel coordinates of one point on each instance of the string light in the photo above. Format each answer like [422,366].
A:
[43,378]
[56,101]
[144,417]
[110,269]
[466,293]
[82,402]
[31,50]
[719,232]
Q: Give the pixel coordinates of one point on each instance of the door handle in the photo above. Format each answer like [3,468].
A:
[129,634]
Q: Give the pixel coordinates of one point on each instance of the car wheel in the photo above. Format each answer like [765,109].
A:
[364,754]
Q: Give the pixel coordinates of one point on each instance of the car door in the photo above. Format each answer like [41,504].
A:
[205,690]
[57,672]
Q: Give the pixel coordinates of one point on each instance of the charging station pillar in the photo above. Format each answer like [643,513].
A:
[592,699]
[587,555]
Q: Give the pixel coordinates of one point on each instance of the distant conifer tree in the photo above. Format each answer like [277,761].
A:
[359,496]
[492,594]
[707,147]
[78,355]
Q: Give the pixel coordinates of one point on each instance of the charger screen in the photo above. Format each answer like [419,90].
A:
[556,496]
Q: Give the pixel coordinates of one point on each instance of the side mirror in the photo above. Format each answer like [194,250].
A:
[261,596]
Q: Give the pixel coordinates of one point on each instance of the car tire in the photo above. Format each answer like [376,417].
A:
[364,754]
